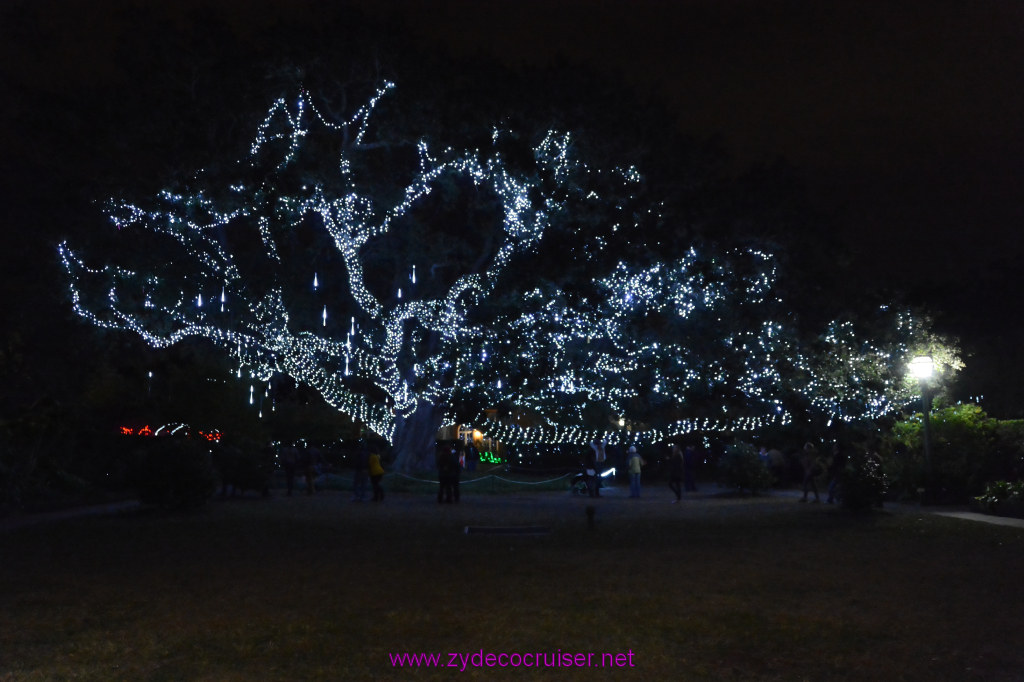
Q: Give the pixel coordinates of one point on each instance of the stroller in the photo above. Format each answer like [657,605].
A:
[578,483]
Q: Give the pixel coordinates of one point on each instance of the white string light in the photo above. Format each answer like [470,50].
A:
[574,353]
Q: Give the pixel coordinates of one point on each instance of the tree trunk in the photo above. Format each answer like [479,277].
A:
[415,438]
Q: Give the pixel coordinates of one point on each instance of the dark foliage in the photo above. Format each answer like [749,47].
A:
[862,482]
[245,468]
[1002,498]
[968,450]
[742,469]
[173,473]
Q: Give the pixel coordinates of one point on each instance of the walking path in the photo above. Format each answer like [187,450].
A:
[986,518]
[15,522]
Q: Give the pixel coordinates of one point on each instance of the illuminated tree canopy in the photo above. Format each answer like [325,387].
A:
[413,286]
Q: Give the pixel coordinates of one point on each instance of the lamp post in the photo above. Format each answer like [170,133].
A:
[922,368]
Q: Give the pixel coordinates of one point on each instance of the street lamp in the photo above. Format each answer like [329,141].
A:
[922,368]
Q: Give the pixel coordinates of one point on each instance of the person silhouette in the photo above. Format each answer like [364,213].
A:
[635,464]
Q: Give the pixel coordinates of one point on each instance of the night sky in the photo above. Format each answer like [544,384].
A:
[904,119]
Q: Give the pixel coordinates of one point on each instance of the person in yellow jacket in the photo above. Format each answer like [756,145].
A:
[636,464]
[376,472]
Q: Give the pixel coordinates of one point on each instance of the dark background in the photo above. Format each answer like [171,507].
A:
[898,124]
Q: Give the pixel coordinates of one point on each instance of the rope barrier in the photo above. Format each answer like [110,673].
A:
[509,480]
[483,478]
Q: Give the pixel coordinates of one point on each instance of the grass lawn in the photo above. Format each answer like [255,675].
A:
[320,588]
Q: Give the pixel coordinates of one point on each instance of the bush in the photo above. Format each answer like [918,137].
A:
[742,469]
[31,451]
[173,473]
[968,449]
[863,483]
[1003,498]
[1009,456]
[244,468]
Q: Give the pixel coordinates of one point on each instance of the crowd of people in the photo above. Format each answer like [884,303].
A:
[679,463]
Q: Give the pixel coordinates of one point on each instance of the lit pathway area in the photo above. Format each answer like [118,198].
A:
[985,518]
[709,500]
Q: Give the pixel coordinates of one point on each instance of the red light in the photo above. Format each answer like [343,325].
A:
[210,435]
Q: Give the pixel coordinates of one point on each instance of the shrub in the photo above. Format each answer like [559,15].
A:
[31,450]
[999,495]
[968,449]
[741,468]
[863,482]
[173,473]
[243,468]
[1009,455]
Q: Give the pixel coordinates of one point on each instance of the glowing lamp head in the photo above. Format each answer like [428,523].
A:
[922,367]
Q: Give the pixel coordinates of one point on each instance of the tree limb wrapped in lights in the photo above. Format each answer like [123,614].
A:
[561,316]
